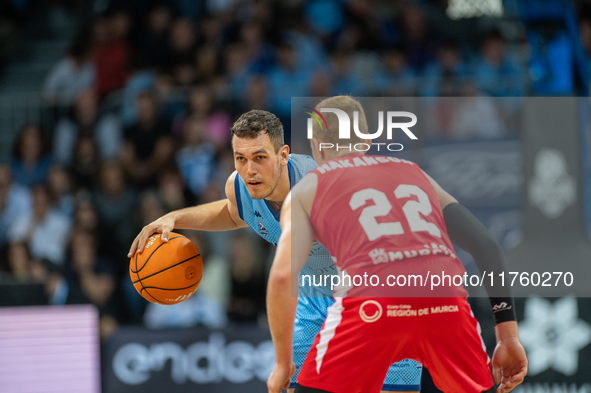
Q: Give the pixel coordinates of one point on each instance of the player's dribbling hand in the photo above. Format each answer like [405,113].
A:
[279,378]
[509,361]
[164,225]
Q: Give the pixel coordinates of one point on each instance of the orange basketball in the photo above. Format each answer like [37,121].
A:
[167,272]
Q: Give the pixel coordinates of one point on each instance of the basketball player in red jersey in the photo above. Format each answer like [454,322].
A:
[384,216]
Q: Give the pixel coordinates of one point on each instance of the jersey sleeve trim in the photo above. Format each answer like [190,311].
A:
[237,193]
[291,173]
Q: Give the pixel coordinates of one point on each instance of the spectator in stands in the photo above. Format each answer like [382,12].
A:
[396,78]
[364,25]
[90,278]
[211,30]
[477,116]
[85,216]
[115,202]
[85,163]
[196,158]
[208,66]
[497,73]
[152,40]
[201,106]
[71,75]
[585,33]
[147,145]
[320,85]
[248,282]
[184,73]
[418,41]
[59,185]
[15,203]
[111,52]
[31,160]
[19,261]
[87,121]
[151,207]
[183,42]
[86,219]
[325,17]
[45,232]
[260,54]
[9,20]
[237,72]
[256,95]
[343,80]
[308,47]
[142,78]
[286,80]
[446,76]
[171,189]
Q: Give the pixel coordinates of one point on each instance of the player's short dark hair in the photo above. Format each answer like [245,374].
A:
[252,123]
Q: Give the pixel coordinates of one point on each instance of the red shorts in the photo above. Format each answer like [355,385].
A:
[362,337]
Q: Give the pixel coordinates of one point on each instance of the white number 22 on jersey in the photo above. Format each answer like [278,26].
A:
[382,207]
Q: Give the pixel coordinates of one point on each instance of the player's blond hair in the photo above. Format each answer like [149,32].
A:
[347,104]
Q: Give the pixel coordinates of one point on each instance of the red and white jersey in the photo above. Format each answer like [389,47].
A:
[377,214]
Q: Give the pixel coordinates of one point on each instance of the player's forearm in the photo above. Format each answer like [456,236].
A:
[281,309]
[466,232]
[213,216]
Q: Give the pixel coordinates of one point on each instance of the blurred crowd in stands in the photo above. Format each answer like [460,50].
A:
[75,193]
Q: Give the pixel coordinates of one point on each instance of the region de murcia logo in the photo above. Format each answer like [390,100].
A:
[371,318]
[552,189]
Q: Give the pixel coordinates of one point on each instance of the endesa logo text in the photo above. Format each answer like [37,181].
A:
[392,123]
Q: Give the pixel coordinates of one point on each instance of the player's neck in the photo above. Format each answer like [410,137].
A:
[275,200]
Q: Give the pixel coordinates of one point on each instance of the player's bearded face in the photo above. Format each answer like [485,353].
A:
[257,164]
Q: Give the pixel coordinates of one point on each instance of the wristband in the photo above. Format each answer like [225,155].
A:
[502,308]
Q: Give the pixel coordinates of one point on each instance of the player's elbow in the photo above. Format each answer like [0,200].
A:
[278,280]
[280,272]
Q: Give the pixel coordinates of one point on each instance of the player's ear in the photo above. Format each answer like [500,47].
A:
[314,144]
[316,153]
[284,154]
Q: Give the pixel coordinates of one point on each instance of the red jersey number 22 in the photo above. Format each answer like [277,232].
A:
[412,210]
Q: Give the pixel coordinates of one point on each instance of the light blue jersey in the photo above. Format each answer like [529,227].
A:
[313,301]
[259,216]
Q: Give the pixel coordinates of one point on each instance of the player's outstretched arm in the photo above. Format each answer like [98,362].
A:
[292,252]
[509,359]
[220,215]
[468,233]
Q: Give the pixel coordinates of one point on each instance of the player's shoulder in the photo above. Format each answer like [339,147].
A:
[302,162]
[308,183]
[231,184]
[304,191]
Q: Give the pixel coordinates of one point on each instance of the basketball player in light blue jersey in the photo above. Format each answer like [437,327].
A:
[265,173]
